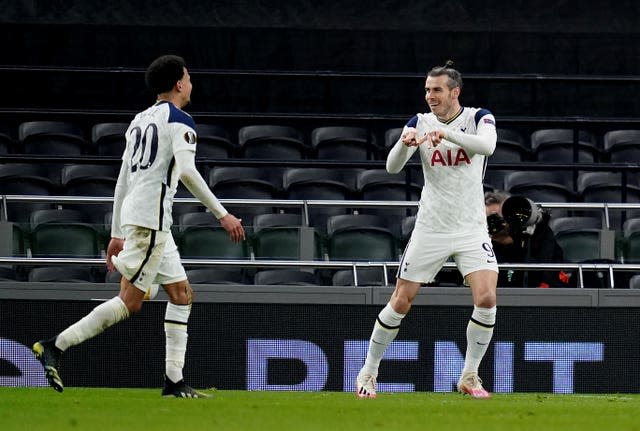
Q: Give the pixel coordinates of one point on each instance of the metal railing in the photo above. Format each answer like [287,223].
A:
[304,206]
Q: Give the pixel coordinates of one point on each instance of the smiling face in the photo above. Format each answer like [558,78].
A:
[442,100]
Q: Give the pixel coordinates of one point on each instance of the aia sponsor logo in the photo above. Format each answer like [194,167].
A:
[448,158]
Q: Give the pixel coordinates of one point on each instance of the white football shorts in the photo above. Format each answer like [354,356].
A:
[149,257]
[427,252]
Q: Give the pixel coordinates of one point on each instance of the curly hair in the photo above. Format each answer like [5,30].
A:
[163,73]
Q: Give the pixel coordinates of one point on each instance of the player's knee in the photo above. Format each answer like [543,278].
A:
[401,303]
[180,293]
[486,299]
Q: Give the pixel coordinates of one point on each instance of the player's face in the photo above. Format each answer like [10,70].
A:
[442,101]
[185,87]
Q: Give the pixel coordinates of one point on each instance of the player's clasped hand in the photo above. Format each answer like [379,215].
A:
[432,139]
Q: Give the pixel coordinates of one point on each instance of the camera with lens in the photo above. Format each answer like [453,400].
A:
[519,214]
[522,215]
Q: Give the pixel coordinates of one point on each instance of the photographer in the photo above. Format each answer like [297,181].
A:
[520,233]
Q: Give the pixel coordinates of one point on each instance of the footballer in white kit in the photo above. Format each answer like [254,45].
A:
[452,199]
[454,143]
[160,150]
[150,172]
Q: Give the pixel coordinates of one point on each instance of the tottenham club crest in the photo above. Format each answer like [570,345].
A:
[190,137]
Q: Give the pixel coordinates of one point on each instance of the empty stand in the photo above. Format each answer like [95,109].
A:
[232,182]
[316,184]
[366,277]
[109,138]
[622,146]
[278,236]
[557,145]
[57,138]
[6,140]
[24,179]
[631,236]
[511,147]
[200,235]
[214,142]
[607,187]
[360,237]
[579,237]
[285,277]
[61,274]
[216,276]
[90,180]
[343,143]
[541,186]
[62,233]
[379,185]
[271,142]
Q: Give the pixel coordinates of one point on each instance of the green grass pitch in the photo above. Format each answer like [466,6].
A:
[102,409]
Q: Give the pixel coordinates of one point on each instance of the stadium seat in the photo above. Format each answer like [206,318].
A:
[8,274]
[360,237]
[25,179]
[277,236]
[343,143]
[271,142]
[61,274]
[494,179]
[631,235]
[62,233]
[51,138]
[216,276]
[316,184]
[579,237]
[379,185]
[622,146]
[366,277]
[109,138]
[231,182]
[540,186]
[90,180]
[214,142]
[557,145]
[285,277]
[607,187]
[201,236]
[6,140]
[511,147]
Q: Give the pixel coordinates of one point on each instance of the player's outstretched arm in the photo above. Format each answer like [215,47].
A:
[191,178]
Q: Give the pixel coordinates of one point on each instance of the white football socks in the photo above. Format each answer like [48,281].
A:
[100,318]
[479,333]
[175,328]
[384,332]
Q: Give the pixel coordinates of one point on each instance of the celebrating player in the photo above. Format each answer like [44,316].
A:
[454,142]
[161,146]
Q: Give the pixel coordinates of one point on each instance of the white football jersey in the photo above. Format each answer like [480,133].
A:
[153,137]
[452,199]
